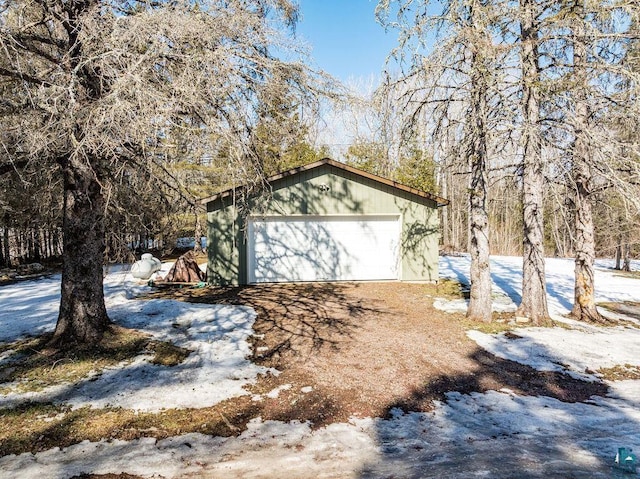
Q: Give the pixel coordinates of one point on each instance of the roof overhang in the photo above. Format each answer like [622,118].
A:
[336,164]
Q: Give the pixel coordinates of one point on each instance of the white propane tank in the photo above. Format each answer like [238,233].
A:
[146,266]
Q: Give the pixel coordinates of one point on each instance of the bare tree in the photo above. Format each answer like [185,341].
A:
[452,91]
[584,305]
[480,72]
[96,88]
[372,125]
[534,293]
[597,90]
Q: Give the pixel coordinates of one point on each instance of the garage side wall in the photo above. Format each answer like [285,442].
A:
[326,190]
[224,241]
[419,240]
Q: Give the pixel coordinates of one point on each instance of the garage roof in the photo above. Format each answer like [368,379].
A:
[328,161]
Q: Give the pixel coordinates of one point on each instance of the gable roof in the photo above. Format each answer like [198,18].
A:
[336,164]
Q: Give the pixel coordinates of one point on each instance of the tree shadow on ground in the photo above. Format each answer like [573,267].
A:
[502,419]
[630,309]
[38,427]
[293,318]
[494,373]
[507,277]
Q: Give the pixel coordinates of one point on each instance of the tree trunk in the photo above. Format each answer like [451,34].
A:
[83,317]
[197,244]
[626,263]
[37,245]
[5,243]
[584,306]
[444,212]
[480,294]
[534,291]
[2,264]
[56,242]
[618,254]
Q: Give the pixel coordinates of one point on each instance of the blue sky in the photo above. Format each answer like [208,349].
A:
[345,38]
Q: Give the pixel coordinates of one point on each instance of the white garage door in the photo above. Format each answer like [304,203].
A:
[323,248]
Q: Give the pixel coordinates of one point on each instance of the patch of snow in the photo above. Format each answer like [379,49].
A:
[451,305]
[495,434]
[506,275]
[276,392]
[559,349]
[217,368]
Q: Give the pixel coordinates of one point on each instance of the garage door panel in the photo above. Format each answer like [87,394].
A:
[294,252]
[332,249]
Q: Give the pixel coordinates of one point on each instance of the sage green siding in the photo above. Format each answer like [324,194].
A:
[325,190]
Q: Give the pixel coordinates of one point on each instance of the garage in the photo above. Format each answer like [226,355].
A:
[325,221]
[331,248]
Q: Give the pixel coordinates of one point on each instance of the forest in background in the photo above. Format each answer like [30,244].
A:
[116,119]
[385,138]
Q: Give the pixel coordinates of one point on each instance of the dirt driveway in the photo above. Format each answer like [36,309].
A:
[362,349]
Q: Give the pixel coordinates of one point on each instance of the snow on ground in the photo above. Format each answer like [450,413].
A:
[506,274]
[217,334]
[491,435]
[556,349]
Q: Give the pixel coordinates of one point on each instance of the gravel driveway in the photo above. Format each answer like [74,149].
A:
[367,348]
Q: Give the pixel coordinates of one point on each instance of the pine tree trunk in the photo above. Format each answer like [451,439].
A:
[534,291]
[584,305]
[480,294]
[82,319]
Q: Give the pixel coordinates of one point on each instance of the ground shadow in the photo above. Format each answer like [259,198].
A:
[502,419]
[452,264]
[292,318]
[630,309]
[494,373]
[505,276]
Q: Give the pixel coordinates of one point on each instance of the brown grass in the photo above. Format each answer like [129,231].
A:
[34,366]
[628,274]
[620,372]
[629,309]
